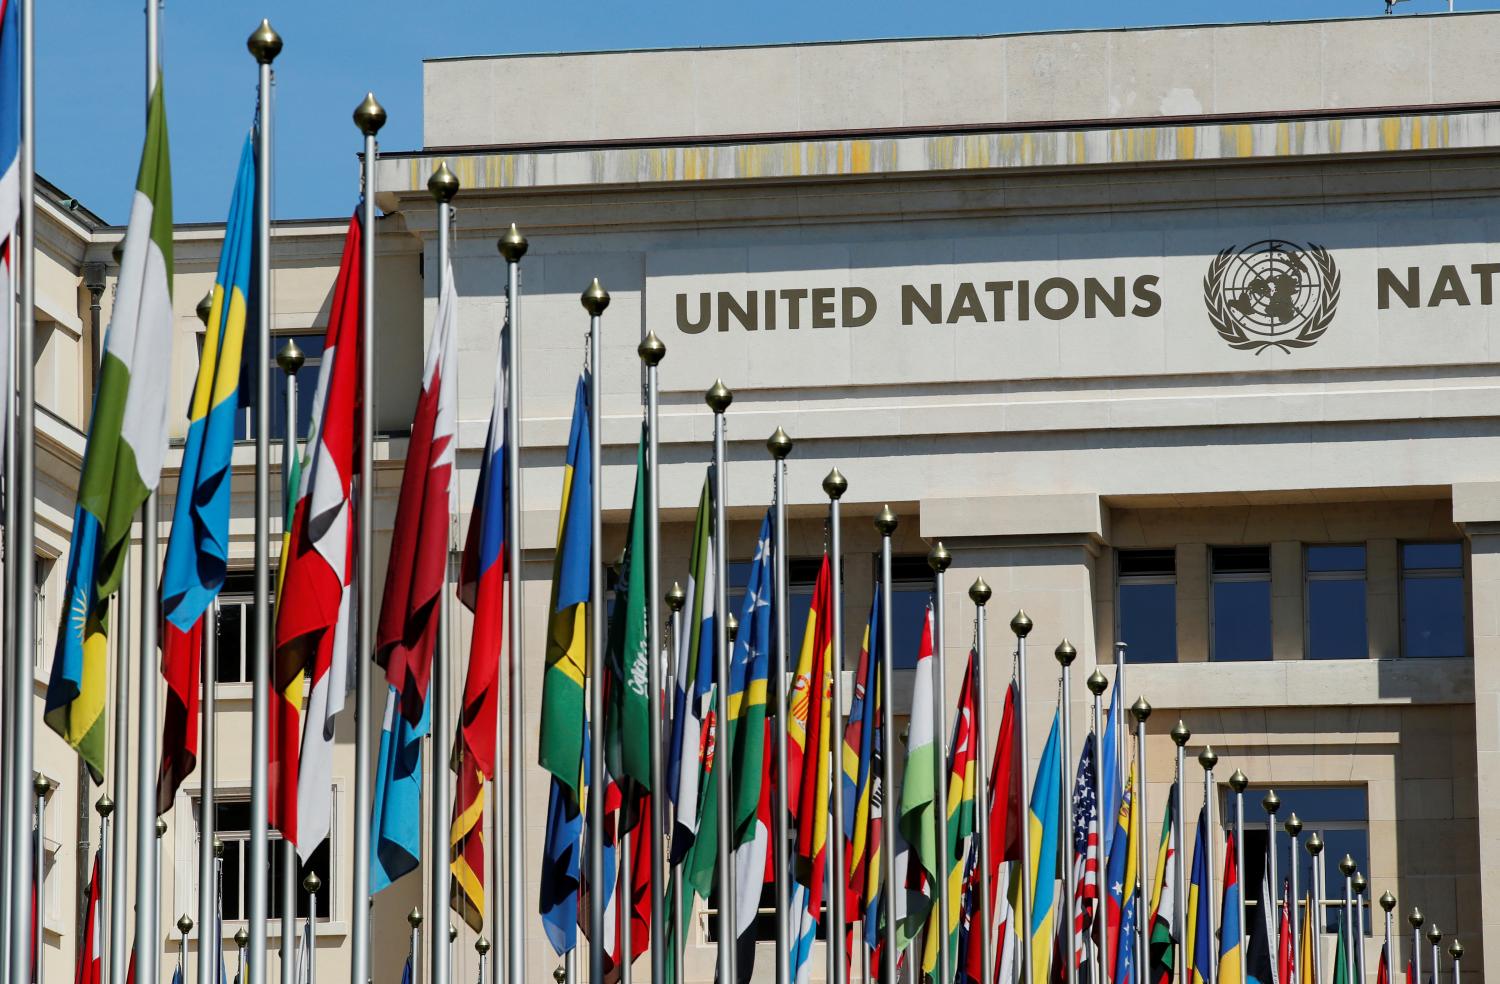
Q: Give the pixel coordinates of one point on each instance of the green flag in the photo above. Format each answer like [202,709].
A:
[627,720]
[1341,973]
[918,822]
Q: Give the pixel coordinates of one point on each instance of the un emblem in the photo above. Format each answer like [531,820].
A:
[1271,294]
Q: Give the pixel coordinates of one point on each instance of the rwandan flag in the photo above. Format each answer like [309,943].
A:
[1200,945]
[1045,844]
[127,441]
[198,551]
[564,726]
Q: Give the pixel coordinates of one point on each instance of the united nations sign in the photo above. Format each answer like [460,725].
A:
[1274,293]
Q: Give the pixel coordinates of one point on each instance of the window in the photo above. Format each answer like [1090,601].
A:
[236,627]
[801,576]
[1146,604]
[911,590]
[232,826]
[1433,607]
[1240,604]
[1339,813]
[40,569]
[1335,595]
[307,384]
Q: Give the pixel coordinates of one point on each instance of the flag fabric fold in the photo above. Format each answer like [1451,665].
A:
[918,819]
[90,947]
[1260,934]
[396,818]
[1085,806]
[1043,816]
[123,458]
[314,615]
[962,804]
[863,748]
[198,549]
[1163,941]
[693,682]
[1200,945]
[1231,935]
[809,748]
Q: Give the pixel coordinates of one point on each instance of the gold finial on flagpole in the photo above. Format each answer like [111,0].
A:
[595,298]
[443,184]
[512,245]
[264,43]
[369,115]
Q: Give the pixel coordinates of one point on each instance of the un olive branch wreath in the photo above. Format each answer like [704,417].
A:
[1236,337]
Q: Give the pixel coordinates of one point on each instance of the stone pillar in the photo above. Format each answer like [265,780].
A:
[1037,553]
[1476,510]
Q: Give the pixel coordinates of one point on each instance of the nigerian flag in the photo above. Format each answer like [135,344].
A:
[127,441]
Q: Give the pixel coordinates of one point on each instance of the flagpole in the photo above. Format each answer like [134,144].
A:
[241,938]
[147,915]
[676,598]
[184,927]
[780,446]
[1388,904]
[939,559]
[1066,654]
[1293,828]
[1098,684]
[264,45]
[369,117]
[595,299]
[1346,918]
[1239,782]
[1358,926]
[1315,918]
[1208,758]
[834,486]
[885,524]
[105,807]
[1120,648]
[1020,625]
[512,247]
[116,961]
[22,488]
[1416,921]
[207,924]
[1141,710]
[1435,937]
[980,596]
[41,786]
[443,186]
[311,884]
[718,399]
[651,352]
[11,644]
[1456,951]
[289,359]
[1271,803]
[1180,738]
[482,947]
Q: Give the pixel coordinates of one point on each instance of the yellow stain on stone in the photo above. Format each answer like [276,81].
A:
[1080,148]
[1283,139]
[861,157]
[1187,143]
[1390,133]
[1336,135]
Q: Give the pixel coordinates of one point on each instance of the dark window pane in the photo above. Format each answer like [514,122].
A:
[1427,556]
[1313,806]
[1433,612]
[1336,558]
[1242,560]
[233,864]
[1148,621]
[1242,620]
[230,658]
[1336,619]
[908,610]
[1159,563]
[232,817]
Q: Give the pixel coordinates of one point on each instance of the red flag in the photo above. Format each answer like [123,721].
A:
[1286,956]
[313,610]
[418,564]
[640,878]
[89,956]
[1383,972]
[181,665]
[1005,816]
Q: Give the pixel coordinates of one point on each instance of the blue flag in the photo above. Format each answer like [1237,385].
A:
[396,820]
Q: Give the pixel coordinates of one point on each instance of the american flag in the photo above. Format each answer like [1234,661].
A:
[1085,852]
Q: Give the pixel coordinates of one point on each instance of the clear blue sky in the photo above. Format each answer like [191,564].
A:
[91,69]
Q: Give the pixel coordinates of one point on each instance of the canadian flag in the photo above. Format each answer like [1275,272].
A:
[314,616]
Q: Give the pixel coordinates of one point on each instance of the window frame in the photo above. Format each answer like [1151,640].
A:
[1216,578]
[1333,900]
[1309,576]
[1434,574]
[278,393]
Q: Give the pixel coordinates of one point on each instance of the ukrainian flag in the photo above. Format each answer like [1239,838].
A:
[1043,818]
[560,750]
[198,551]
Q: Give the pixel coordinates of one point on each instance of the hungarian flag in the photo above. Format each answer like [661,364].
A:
[90,947]
[198,551]
[1163,941]
[314,617]
[809,766]
[126,445]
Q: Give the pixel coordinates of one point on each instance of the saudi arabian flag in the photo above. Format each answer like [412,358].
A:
[627,722]
[127,441]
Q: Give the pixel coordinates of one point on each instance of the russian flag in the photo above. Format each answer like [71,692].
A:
[481,584]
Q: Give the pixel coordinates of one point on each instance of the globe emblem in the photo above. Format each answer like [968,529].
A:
[1271,294]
